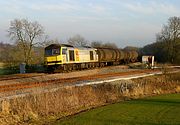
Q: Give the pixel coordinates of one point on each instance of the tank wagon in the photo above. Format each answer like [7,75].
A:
[62,57]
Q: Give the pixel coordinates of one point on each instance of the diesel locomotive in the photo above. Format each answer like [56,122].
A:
[63,57]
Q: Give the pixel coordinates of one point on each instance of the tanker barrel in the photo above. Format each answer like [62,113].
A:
[107,54]
[122,54]
[101,54]
[134,54]
[118,56]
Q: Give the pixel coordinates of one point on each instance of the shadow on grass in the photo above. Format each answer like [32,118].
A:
[156,101]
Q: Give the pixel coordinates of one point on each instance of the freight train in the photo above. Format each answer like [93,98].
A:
[63,57]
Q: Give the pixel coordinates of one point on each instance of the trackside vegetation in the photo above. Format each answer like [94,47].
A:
[159,110]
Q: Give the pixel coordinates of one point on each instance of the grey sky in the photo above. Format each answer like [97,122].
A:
[130,22]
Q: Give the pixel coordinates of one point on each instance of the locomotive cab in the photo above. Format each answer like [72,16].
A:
[57,54]
[53,54]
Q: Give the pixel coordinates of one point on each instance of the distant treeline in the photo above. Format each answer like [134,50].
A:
[30,50]
[12,55]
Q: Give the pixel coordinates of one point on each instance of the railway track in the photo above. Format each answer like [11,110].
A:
[30,75]
[72,80]
[19,76]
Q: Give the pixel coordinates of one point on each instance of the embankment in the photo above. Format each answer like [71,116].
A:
[40,108]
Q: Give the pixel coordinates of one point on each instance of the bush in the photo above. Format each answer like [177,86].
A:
[9,70]
[34,68]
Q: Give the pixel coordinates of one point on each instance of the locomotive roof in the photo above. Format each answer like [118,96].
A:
[66,45]
[58,46]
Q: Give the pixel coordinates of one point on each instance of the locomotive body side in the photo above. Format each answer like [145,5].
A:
[66,57]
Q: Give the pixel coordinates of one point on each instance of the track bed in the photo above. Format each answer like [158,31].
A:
[27,83]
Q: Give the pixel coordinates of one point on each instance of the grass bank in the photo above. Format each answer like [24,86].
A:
[160,110]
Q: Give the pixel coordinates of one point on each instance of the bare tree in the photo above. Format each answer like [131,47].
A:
[170,34]
[77,40]
[48,41]
[110,45]
[96,44]
[26,34]
[131,48]
[105,45]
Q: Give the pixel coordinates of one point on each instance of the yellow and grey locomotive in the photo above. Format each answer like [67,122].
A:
[66,57]
[62,57]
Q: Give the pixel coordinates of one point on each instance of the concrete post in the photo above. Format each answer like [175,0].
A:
[22,68]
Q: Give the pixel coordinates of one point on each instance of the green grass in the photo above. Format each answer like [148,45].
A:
[159,110]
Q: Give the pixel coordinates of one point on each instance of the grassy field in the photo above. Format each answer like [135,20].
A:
[159,110]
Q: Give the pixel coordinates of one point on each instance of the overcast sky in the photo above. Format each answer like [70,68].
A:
[124,22]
